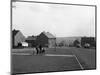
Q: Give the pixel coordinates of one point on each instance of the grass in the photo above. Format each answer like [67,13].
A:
[40,63]
[87,57]
[24,64]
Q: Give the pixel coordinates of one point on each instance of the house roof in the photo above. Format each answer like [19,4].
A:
[49,35]
[30,38]
[14,32]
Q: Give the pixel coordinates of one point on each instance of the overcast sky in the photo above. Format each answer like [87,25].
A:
[60,20]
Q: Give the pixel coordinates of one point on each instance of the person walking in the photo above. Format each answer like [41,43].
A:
[40,48]
[37,50]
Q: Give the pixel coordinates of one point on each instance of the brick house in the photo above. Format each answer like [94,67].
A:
[46,39]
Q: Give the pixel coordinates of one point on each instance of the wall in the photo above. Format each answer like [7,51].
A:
[42,40]
[18,38]
[52,42]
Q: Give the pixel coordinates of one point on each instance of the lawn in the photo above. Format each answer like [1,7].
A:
[87,57]
[42,63]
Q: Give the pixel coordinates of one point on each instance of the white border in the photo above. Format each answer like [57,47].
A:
[5,38]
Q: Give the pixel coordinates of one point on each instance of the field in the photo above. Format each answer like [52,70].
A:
[54,59]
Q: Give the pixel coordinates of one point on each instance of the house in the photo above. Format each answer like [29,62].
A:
[46,39]
[31,40]
[17,38]
[88,40]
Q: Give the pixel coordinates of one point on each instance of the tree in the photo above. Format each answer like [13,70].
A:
[62,43]
[76,43]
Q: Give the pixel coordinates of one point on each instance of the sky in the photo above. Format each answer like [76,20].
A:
[60,20]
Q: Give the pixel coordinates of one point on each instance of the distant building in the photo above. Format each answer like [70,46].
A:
[67,41]
[31,40]
[46,39]
[17,38]
[89,40]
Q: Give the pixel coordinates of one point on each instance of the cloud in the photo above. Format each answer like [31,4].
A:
[63,20]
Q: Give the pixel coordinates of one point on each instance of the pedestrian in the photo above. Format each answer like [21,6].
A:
[40,48]
[37,50]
